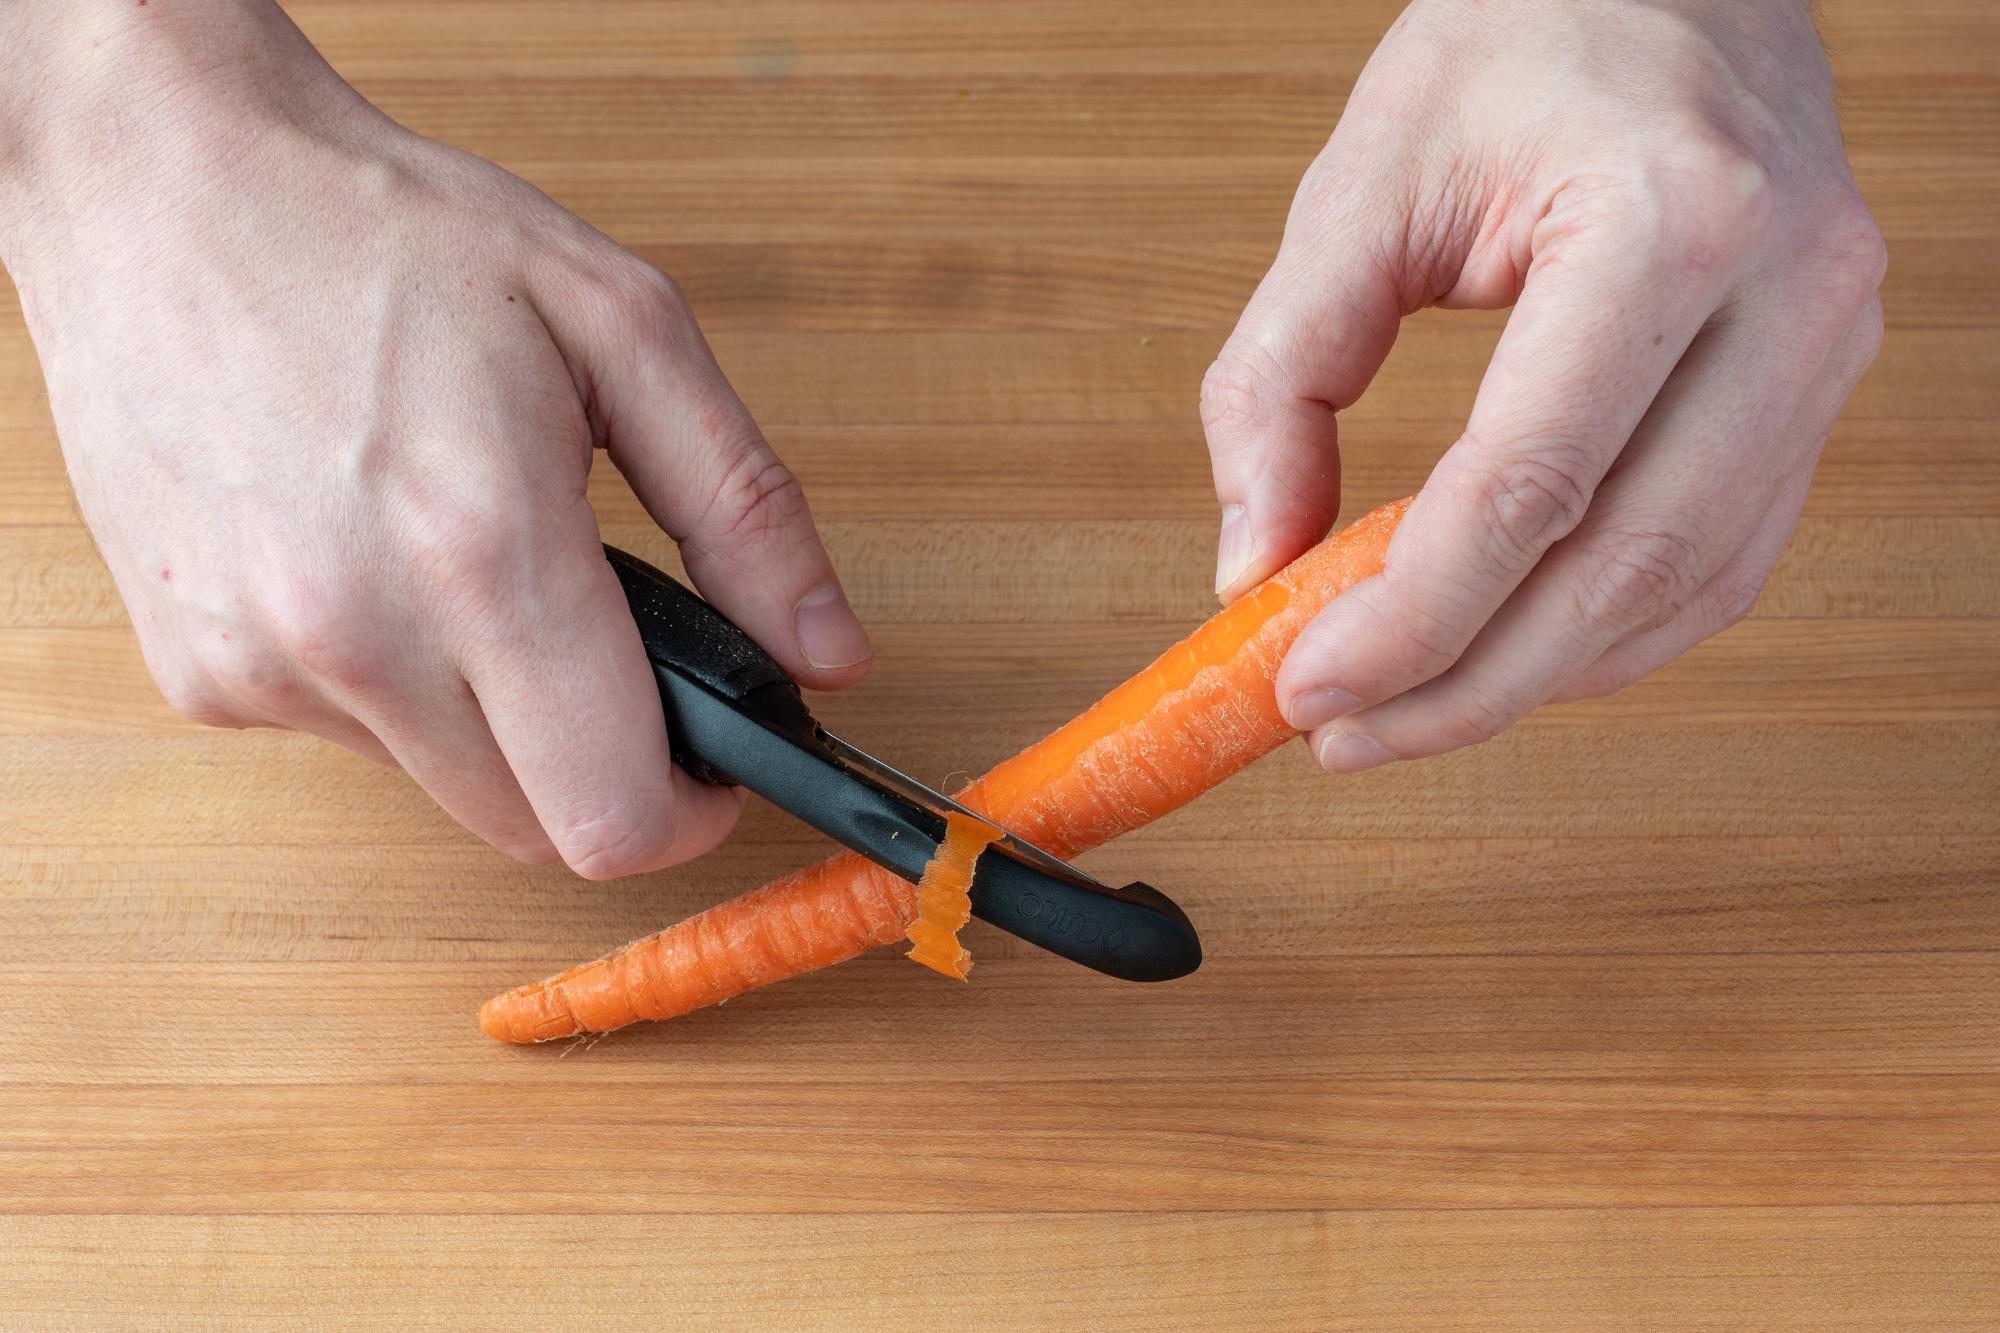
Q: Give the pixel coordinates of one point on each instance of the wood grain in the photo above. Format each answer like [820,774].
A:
[975,470]
[1679,1009]
[1920,1268]
[289,902]
[923,571]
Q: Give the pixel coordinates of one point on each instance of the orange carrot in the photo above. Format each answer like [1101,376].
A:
[1203,711]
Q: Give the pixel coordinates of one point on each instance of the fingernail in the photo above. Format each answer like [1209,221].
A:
[829,635]
[1349,752]
[1316,708]
[1234,550]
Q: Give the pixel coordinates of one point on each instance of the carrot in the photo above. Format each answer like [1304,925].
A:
[1201,712]
[944,896]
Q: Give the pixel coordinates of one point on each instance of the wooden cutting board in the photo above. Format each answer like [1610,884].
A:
[1676,1009]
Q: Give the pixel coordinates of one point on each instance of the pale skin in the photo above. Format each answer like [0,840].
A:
[329,392]
[1660,192]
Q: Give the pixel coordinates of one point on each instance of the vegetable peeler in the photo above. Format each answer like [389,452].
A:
[734,717]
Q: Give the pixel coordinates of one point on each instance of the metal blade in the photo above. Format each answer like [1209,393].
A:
[938,803]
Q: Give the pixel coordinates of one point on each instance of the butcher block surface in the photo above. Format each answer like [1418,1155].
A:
[1678,1009]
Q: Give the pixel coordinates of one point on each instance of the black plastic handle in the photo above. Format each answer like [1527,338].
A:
[687,637]
[1134,933]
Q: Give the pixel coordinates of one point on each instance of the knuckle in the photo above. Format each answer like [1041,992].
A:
[1237,392]
[607,846]
[1866,339]
[1700,199]
[1736,596]
[1645,580]
[1531,501]
[757,494]
[1854,251]
[1478,715]
[259,677]
[465,547]
[1608,675]
[1725,197]
[1346,180]
[647,304]
[535,850]
[190,695]
[1596,681]
[323,630]
[1422,643]
[501,818]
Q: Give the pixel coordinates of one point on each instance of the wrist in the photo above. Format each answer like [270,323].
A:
[111,105]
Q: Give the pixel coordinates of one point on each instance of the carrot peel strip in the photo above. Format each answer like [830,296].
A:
[944,896]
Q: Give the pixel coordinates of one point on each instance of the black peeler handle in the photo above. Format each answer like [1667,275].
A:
[686,637]
[734,716]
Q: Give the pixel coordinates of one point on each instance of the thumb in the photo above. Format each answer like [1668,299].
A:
[1311,338]
[686,443]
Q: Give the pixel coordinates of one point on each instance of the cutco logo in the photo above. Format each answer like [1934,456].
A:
[1068,921]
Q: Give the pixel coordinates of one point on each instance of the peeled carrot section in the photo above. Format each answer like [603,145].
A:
[944,896]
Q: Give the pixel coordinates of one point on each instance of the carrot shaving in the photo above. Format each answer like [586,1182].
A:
[944,896]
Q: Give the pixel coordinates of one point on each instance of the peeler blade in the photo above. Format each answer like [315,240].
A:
[939,804]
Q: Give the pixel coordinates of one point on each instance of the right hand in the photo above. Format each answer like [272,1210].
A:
[1661,194]
[329,392]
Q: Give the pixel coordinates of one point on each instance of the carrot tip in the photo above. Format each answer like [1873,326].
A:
[528,1014]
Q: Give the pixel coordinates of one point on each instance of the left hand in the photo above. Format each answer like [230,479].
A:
[1661,193]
